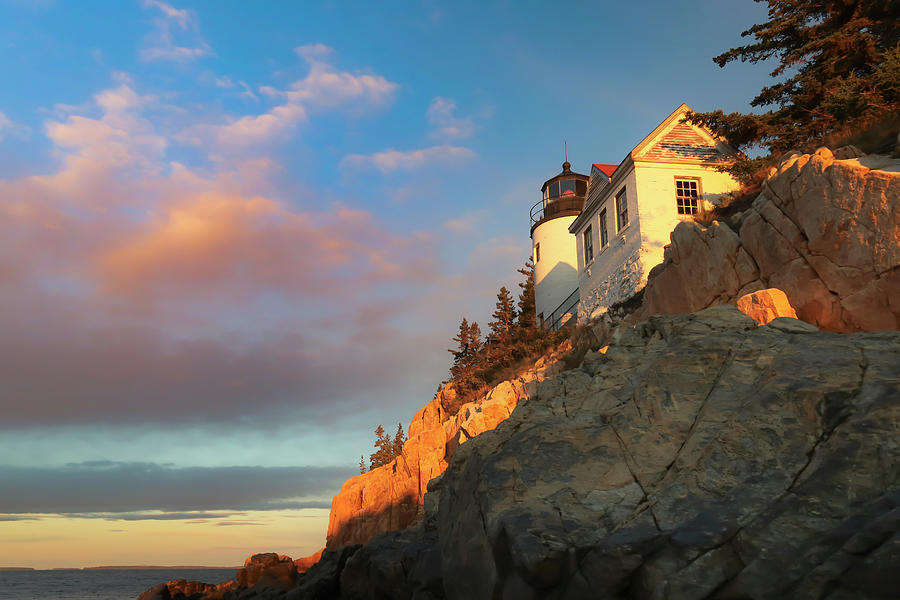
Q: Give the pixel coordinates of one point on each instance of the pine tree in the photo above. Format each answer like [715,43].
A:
[504,318]
[475,344]
[527,318]
[383,452]
[839,64]
[462,348]
[465,354]
[362,465]
[399,440]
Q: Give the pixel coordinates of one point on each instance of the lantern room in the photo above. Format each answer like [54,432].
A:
[562,195]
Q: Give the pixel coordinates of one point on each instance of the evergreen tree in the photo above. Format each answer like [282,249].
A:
[504,318]
[527,317]
[362,465]
[384,449]
[475,345]
[468,342]
[399,440]
[839,67]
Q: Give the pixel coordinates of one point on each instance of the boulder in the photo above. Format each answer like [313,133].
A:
[764,305]
[303,564]
[824,230]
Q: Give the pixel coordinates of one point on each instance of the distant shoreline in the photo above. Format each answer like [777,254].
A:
[122,568]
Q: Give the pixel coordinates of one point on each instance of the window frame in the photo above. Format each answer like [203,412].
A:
[587,245]
[621,210]
[678,198]
[550,195]
[604,232]
[537,253]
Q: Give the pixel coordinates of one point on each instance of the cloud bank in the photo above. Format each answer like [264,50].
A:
[117,490]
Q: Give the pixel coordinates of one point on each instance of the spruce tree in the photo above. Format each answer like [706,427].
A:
[384,449]
[527,318]
[475,345]
[839,67]
[462,351]
[362,465]
[399,440]
[504,318]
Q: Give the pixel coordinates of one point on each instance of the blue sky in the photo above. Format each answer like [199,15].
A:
[240,235]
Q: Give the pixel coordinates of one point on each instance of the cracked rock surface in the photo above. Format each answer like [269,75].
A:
[700,457]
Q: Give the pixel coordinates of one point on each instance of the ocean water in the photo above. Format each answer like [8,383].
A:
[112,584]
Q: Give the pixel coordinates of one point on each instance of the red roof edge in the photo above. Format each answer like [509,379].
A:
[607,170]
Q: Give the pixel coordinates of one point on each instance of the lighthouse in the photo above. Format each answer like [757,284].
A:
[553,247]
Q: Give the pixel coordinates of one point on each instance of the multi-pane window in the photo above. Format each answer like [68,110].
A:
[588,246]
[687,196]
[566,187]
[604,238]
[621,210]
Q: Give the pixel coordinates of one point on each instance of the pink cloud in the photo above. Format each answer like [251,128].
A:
[444,122]
[136,290]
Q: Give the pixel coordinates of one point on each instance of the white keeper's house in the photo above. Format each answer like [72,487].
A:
[596,238]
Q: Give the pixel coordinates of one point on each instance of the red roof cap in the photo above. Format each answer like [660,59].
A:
[607,170]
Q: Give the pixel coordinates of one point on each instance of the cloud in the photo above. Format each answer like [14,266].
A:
[324,88]
[465,223]
[5,123]
[445,125]
[101,489]
[389,161]
[139,291]
[8,127]
[162,43]
[314,52]
[179,16]
[198,516]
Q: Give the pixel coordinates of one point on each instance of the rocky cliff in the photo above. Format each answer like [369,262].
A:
[702,456]
[392,497]
[697,456]
[823,230]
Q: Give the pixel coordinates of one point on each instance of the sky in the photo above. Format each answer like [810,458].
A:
[235,237]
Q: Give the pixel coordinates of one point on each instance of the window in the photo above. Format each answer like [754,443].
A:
[621,210]
[565,187]
[588,243]
[554,189]
[687,195]
[580,188]
[604,239]
[537,252]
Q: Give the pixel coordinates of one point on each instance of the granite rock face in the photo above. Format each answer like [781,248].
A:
[700,457]
[825,231]
[391,497]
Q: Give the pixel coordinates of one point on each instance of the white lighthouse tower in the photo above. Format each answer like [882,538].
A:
[553,247]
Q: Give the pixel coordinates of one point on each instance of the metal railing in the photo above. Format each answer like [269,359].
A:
[546,209]
[564,313]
